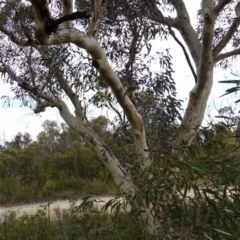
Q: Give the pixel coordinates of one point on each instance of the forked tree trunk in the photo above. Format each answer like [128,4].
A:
[201,53]
[194,113]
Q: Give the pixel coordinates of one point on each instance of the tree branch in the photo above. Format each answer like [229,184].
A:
[15,39]
[194,113]
[100,61]
[129,65]
[98,8]
[181,9]
[46,24]
[228,54]
[156,15]
[72,96]
[73,16]
[187,31]
[51,25]
[26,86]
[62,82]
[41,106]
[121,176]
[116,111]
[219,7]
[67,7]
[180,44]
[207,38]
[181,23]
[185,53]
[224,41]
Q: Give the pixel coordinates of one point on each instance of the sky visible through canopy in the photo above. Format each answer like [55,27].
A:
[16,119]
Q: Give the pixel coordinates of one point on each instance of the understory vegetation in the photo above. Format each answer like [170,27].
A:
[56,165]
[71,224]
[203,200]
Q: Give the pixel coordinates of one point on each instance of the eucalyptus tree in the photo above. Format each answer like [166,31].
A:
[102,54]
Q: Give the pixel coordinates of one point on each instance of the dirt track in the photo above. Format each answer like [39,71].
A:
[64,205]
[61,204]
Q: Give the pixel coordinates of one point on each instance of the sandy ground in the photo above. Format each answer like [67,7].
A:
[60,204]
[64,205]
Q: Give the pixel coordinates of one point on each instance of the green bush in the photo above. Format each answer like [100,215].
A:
[75,223]
[29,227]
[193,200]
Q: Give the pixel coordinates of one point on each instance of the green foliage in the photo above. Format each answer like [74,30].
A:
[76,223]
[34,227]
[196,197]
[20,141]
[232,89]
[58,164]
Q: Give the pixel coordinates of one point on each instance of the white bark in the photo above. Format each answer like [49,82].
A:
[119,174]
[194,113]
[198,97]
[90,44]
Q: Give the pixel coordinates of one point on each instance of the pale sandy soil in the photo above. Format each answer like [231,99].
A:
[60,204]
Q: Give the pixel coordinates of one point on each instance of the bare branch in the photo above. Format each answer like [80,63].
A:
[29,62]
[116,111]
[181,10]
[72,16]
[225,40]
[99,7]
[185,53]
[182,24]
[180,44]
[134,48]
[63,83]
[194,114]
[67,7]
[72,96]
[120,175]
[207,38]
[187,31]
[228,54]
[219,7]
[42,106]
[156,15]
[26,86]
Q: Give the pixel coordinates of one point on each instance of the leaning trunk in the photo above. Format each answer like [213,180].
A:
[120,175]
